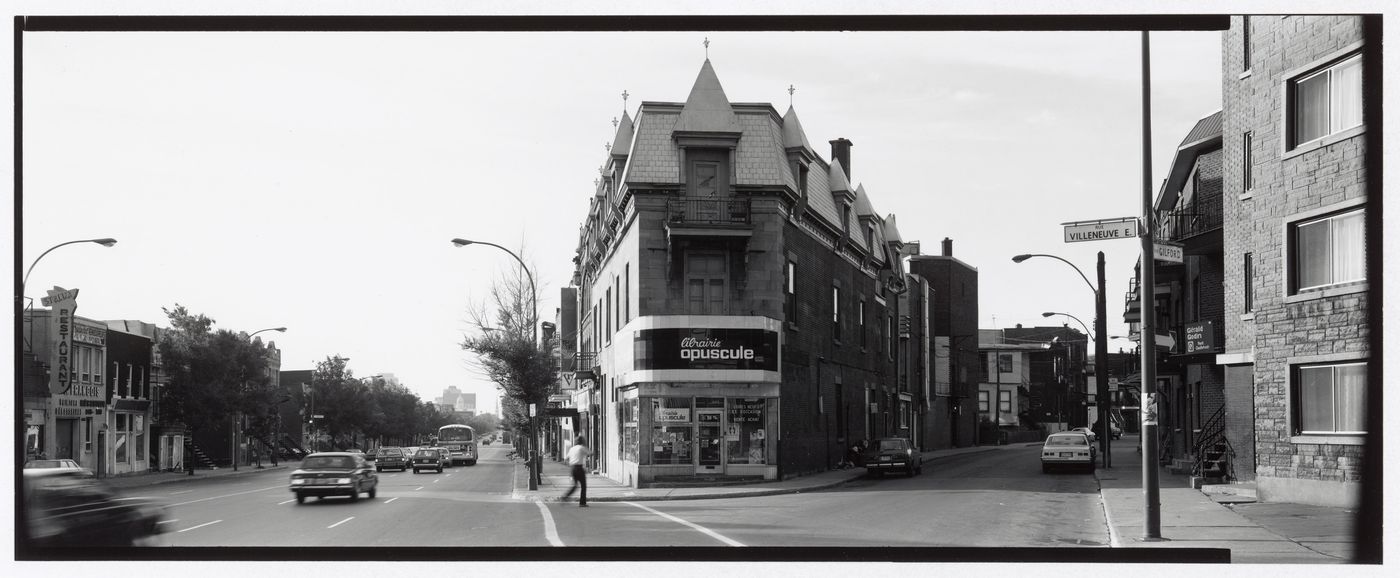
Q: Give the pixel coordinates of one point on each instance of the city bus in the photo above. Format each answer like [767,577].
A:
[460,441]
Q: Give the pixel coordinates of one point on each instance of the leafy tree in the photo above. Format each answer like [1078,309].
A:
[213,374]
[341,399]
[509,355]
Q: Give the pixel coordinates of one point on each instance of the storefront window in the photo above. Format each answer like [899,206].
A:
[670,445]
[629,425]
[745,434]
[119,443]
[670,410]
[138,434]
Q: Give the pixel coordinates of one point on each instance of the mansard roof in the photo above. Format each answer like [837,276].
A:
[793,135]
[622,141]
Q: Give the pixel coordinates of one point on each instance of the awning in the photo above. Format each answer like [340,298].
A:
[134,405]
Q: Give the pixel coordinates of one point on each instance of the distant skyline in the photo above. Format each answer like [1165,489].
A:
[314,180]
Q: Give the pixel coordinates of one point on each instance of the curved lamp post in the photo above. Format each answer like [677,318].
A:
[277,329]
[1100,345]
[1081,322]
[105,242]
[534,334]
[234,441]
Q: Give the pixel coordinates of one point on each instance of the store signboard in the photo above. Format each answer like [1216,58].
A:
[672,415]
[64,303]
[1200,336]
[706,348]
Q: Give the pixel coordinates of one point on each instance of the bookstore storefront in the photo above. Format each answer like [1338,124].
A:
[703,402]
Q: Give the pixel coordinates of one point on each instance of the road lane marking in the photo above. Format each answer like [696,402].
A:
[340,522]
[550,532]
[436,481]
[180,492]
[227,495]
[199,526]
[417,488]
[287,502]
[166,522]
[702,529]
[390,500]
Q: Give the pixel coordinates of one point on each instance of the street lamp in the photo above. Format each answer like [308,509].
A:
[534,334]
[1100,345]
[105,242]
[277,329]
[1081,323]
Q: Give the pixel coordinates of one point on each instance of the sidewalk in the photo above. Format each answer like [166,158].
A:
[157,478]
[555,480]
[1189,518]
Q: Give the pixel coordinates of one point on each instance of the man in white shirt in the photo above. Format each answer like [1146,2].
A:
[576,458]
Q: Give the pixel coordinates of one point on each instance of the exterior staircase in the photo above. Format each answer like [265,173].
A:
[192,452]
[1212,453]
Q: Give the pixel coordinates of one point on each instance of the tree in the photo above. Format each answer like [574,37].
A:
[342,400]
[212,375]
[508,354]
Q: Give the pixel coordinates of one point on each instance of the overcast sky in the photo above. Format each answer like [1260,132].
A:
[314,180]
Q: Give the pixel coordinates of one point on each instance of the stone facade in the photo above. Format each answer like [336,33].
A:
[1289,328]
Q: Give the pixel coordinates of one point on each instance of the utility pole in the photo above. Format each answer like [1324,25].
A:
[1101,366]
[1152,515]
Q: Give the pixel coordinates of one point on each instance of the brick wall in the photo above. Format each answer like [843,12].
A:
[1286,183]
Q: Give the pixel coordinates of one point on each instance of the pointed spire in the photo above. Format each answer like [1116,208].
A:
[707,48]
[707,109]
[862,205]
[791,89]
[622,141]
[892,231]
[793,135]
[837,178]
[624,101]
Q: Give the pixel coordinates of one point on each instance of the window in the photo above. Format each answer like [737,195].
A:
[709,173]
[628,405]
[705,283]
[870,238]
[1004,402]
[671,443]
[1324,102]
[745,430]
[627,293]
[1245,48]
[1004,363]
[119,437]
[84,358]
[984,401]
[890,334]
[1248,282]
[790,290]
[860,316]
[1247,170]
[1329,399]
[836,313]
[608,315]
[1328,251]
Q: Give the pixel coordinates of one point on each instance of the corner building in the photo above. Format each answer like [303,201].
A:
[737,300]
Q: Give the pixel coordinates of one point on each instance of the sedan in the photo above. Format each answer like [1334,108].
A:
[894,454]
[333,474]
[61,464]
[70,508]
[1093,437]
[391,458]
[1067,449]
[430,459]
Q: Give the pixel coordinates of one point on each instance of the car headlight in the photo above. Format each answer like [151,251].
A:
[298,481]
[342,480]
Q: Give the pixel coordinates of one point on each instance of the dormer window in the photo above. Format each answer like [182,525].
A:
[870,238]
[707,174]
[846,219]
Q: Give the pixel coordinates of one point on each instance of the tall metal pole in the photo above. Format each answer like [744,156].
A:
[1152,515]
[1101,367]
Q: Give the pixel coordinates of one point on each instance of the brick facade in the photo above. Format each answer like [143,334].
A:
[1287,327]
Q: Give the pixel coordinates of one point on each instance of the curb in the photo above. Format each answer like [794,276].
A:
[188,478]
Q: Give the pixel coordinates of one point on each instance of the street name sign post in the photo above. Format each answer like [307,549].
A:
[1101,230]
[1169,252]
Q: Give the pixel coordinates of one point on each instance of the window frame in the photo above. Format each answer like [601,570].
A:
[1249,282]
[1296,402]
[1292,141]
[790,293]
[691,275]
[984,401]
[1247,162]
[1294,286]
[836,313]
[1004,401]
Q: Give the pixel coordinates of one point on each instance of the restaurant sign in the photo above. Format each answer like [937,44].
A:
[65,305]
[706,348]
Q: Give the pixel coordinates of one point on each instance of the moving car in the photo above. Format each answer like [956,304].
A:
[70,508]
[391,458]
[430,459]
[333,474]
[894,454]
[1070,448]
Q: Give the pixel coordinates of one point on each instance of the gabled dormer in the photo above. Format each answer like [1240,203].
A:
[800,157]
[867,220]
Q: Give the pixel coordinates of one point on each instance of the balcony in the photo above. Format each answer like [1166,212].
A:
[1197,225]
[582,364]
[709,212]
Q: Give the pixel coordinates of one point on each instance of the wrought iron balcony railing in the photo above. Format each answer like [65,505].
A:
[1201,216]
[709,211]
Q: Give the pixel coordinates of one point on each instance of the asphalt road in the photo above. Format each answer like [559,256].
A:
[987,499]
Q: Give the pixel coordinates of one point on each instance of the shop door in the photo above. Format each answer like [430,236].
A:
[709,439]
[63,438]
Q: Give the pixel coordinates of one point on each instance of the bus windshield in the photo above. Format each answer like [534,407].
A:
[455,434]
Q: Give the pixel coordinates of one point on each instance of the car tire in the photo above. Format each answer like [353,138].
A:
[439,469]
[415,470]
[380,470]
[301,498]
[372,490]
[471,463]
[355,494]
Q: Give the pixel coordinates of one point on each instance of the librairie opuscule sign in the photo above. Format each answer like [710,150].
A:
[64,303]
[706,348]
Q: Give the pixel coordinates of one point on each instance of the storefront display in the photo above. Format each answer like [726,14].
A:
[745,434]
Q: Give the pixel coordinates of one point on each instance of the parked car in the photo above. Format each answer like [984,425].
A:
[1093,437]
[430,459]
[1070,448]
[1114,431]
[893,454]
[333,474]
[65,507]
[59,464]
[391,458]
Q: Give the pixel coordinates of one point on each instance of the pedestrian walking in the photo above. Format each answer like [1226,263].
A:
[577,455]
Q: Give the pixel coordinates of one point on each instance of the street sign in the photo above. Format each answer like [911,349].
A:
[317,416]
[532,410]
[1125,228]
[1170,252]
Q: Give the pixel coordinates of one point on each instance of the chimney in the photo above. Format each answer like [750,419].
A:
[841,151]
[947,247]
